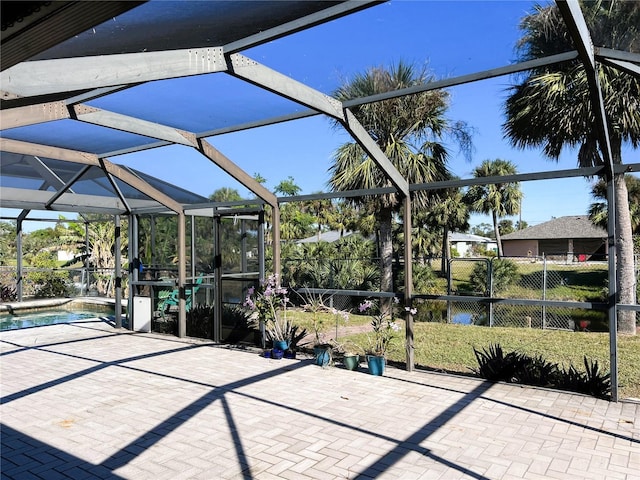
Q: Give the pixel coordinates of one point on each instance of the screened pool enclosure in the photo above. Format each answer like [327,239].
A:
[88,87]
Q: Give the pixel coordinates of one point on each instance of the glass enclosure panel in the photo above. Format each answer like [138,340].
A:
[235,326]
[204,254]
[158,245]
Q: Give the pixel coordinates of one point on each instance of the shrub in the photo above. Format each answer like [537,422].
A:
[200,321]
[8,293]
[167,324]
[516,367]
[494,365]
[536,371]
[591,382]
[51,285]
[504,272]
[235,327]
[425,280]
[430,312]
[48,282]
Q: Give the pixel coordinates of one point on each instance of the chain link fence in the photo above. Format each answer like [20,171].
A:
[484,282]
[529,278]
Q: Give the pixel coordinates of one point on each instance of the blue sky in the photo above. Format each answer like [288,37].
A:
[451,37]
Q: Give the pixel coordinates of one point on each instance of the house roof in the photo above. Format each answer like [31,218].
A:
[576,226]
[468,237]
[330,236]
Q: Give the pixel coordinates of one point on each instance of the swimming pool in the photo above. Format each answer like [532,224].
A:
[50,317]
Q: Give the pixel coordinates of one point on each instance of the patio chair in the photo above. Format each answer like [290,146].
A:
[167,299]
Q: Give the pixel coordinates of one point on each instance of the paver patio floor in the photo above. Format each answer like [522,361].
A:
[88,401]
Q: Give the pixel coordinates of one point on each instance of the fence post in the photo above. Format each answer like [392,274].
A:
[544,291]
[490,283]
[336,315]
[449,283]
[19,266]
[118,273]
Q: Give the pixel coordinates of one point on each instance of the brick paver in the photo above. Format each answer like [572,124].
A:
[88,401]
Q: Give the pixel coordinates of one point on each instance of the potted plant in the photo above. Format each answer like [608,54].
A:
[322,349]
[267,306]
[384,331]
[350,353]
[296,335]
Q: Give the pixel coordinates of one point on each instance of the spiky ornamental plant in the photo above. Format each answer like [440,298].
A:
[550,107]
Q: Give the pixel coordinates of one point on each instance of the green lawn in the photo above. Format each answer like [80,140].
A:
[449,347]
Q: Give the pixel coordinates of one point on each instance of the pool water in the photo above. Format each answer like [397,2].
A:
[48,317]
[463,318]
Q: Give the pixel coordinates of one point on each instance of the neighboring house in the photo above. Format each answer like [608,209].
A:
[330,236]
[574,237]
[65,255]
[464,243]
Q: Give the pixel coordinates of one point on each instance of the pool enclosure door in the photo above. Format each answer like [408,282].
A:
[224,256]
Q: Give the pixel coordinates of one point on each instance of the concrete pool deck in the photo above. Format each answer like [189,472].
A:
[86,400]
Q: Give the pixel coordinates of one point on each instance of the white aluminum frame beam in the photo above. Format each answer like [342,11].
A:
[331,13]
[444,83]
[33,114]
[20,198]
[64,188]
[48,175]
[363,138]
[268,79]
[577,26]
[612,53]
[85,158]
[44,77]
[125,123]
[54,23]
[627,67]
[253,72]
[141,127]
[217,157]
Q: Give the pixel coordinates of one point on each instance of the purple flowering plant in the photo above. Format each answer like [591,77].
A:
[383,324]
[268,303]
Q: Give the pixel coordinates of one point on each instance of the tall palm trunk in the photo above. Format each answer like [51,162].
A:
[386,256]
[625,259]
[494,215]
[446,252]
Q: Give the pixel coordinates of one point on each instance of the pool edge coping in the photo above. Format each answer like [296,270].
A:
[12,307]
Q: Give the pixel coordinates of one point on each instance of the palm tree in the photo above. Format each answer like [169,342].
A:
[101,247]
[7,242]
[287,187]
[448,213]
[598,210]
[409,131]
[225,194]
[321,209]
[425,239]
[343,217]
[295,223]
[498,199]
[551,107]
